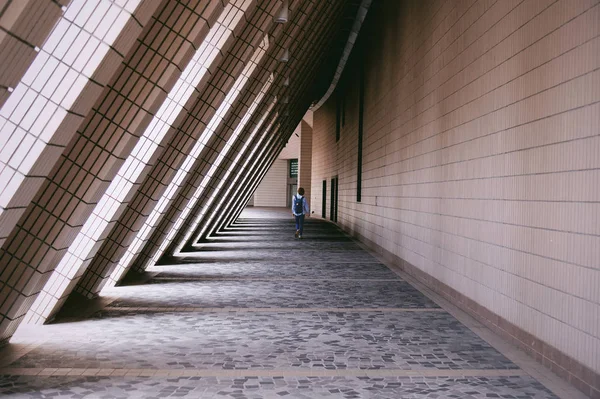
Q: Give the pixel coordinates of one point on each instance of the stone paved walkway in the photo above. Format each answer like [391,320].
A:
[257,314]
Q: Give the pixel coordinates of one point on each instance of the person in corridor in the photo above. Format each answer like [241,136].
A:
[299,209]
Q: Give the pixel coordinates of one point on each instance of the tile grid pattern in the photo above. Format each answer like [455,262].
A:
[241,188]
[23,33]
[182,204]
[231,201]
[474,139]
[197,121]
[311,39]
[67,198]
[226,211]
[180,207]
[114,200]
[59,88]
[121,243]
[236,199]
[251,85]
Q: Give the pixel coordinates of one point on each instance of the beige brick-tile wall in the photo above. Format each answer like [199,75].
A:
[201,123]
[273,191]
[91,159]
[305,160]
[300,38]
[24,26]
[57,90]
[481,156]
[90,249]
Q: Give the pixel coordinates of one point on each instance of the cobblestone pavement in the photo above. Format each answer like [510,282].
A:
[274,387]
[255,313]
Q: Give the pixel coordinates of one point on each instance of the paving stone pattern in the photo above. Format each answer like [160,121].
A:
[376,323]
[255,341]
[274,387]
[287,269]
[289,294]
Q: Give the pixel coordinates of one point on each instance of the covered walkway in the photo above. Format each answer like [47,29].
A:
[254,313]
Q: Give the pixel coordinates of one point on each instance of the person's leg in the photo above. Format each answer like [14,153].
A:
[297,226]
[301,223]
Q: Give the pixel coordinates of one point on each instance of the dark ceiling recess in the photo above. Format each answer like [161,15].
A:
[336,49]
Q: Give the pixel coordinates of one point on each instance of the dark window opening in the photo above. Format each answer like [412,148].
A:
[361,108]
[335,211]
[332,201]
[343,101]
[338,117]
[324,200]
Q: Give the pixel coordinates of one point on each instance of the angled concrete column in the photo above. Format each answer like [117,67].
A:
[53,97]
[197,128]
[24,25]
[195,183]
[210,186]
[82,255]
[232,181]
[241,188]
[215,61]
[92,158]
[201,80]
[311,41]
[261,171]
[248,157]
[247,86]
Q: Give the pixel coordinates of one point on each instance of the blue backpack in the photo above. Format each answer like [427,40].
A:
[298,208]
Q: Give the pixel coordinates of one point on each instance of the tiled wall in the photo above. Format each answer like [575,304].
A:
[25,25]
[481,160]
[81,257]
[226,52]
[58,161]
[131,126]
[292,147]
[305,160]
[273,190]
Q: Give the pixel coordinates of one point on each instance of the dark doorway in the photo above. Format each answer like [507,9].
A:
[324,199]
[335,210]
[333,201]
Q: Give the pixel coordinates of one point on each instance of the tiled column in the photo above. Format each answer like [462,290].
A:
[249,156]
[305,161]
[243,188]
[46,108]
[185,128]
[193,131]
[229,139]
[82,254]
[310,41]
[194,183]
[228,210]
[247,85]
[91,160]
[252,184]
[247,179]
[24,25]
